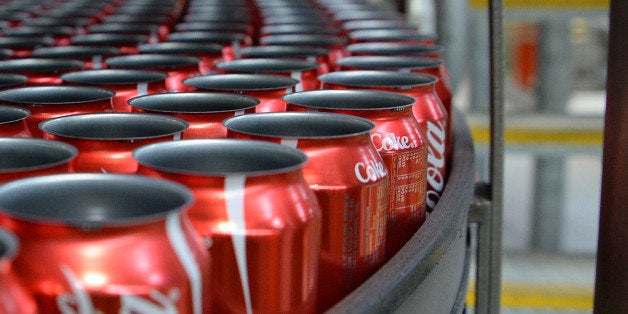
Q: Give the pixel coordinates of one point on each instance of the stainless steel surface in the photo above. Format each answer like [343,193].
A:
[488,284]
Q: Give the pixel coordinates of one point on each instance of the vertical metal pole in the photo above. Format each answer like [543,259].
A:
[496,27]
[488,286]
[611,281]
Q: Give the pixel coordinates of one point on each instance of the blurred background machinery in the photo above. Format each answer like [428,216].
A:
[555,87]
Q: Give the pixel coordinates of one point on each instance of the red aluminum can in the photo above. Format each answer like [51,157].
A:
[306,72]
[106,141]
[397,137]
[92,56]
[126,83]
[204,111]
[291,29]
[335,44]
[252,201]
[178,67]
[394,49]
[210,54]
[106,243]
[356,25]
[40,71]
[22,157]
[14,298]
[318,54]
[45,102]
[348,176]
[217,26]
[430,66]
[22,47]
[13,121]
[268,88]
[147,29]
[232,42]
[11,80]
[391,35]
[127,43]
[428,111]
[59,34]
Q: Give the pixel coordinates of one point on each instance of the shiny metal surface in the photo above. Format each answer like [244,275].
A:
[204,111]
[254,205]
[11,80]
[40,71]
[13,121]
[126,83]
[22,157]
[398,138]
[306,72]
[178,67]
[268,88]
[430,66]
[106,243]
[106,140]
[349,178]
[91,55]
[428,111]
[13,296]
[46,102]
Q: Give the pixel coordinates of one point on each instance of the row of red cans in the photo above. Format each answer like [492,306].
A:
[370,170]
[348,175]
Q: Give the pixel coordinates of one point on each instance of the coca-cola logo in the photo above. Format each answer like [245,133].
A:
[370,171]
[80,302]
[390,142]
[435,161]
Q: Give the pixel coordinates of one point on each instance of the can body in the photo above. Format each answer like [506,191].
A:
[428,111]
[127,83]
[203,111]
[264,223]
[46,102]
[106,243]
[351,183]
[430,66]
[23,157]
[305,72]
[267,88]
[13,121]
[105,141]
[14,298]
[400,142]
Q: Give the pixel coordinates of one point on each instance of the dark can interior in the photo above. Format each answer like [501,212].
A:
[23,154]
[299,124]
[220,157]
[113,126]
[194,102]
[55,94]
[349,99]
[91,198]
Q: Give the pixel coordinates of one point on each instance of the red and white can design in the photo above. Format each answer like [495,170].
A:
[254,205]
[428,111]
[399,140]
[105,243]
[349,178]
[430,66]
